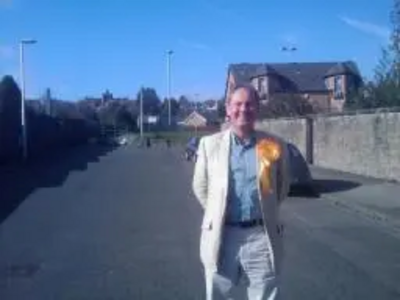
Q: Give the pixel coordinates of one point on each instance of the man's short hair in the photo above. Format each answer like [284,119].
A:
[253,93]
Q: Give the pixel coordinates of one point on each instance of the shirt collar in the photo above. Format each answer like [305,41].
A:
[243,142]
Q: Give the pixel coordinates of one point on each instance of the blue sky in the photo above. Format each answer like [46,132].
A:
[87,46]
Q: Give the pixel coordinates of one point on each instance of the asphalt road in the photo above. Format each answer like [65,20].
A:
[124,224]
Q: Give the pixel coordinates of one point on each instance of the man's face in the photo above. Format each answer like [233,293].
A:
[242,109]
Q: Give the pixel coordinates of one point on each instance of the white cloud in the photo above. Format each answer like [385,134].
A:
[367,27]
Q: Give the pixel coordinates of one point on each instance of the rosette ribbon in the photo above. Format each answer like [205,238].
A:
[268,152]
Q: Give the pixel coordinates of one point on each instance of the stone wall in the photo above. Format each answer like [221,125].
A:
[367,144]
[293,130]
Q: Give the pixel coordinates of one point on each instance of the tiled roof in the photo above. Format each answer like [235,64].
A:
[304,77]
[210,115]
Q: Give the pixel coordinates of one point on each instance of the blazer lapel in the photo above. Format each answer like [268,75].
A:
[261,169]
[223,160]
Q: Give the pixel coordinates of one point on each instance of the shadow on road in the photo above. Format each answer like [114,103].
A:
[327,186]
[18,182]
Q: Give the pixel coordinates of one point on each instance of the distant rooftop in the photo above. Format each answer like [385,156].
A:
[304,76]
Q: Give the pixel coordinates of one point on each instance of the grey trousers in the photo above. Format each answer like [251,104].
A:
[245,256]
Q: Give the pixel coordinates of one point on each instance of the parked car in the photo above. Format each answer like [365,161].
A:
[122,141]
[107,141]
[301,181]
[191,149]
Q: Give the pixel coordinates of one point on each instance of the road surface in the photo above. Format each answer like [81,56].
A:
[124,224]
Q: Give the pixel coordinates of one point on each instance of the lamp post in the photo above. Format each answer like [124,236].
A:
[169,54]
[141,113]
[24,137]
[196,108]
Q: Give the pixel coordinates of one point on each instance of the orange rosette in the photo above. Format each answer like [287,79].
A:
[268,152]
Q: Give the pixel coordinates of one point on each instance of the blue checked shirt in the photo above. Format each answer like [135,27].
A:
[243,199]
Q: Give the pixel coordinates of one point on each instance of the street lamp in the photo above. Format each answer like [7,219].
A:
[196,103]
[24,138]
[289,49]
[169,54]
[141,112]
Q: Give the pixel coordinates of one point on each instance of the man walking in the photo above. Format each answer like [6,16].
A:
[241,176]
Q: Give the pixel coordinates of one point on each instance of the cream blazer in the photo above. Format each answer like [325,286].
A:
[210,186]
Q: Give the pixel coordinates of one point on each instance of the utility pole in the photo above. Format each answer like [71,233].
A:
[24,132]
[141,112]
[169,54]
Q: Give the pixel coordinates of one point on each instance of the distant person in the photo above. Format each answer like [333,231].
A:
[148,142]
[191,148]
[168,143]
[240,179]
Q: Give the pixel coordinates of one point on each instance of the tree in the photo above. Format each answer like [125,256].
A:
[151,101]
[10,96]
[117,114]
[107,114]
[286,105]
[384,90]
[132,108]
[87,109]
[174,107]
[10,117]
[210,103]
[221,108]
[124,119]
[47,102]
[183,101]
[66,110]
[361,98]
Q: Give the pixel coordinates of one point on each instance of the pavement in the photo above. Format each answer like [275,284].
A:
[371,198]
[101,223]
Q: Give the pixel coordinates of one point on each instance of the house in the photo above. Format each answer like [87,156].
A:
[211,105]
[201,119]
[165,122]
[325,84]
[194,119]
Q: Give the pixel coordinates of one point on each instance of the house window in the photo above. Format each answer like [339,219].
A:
[338,87]
[262,86]
[254,83]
